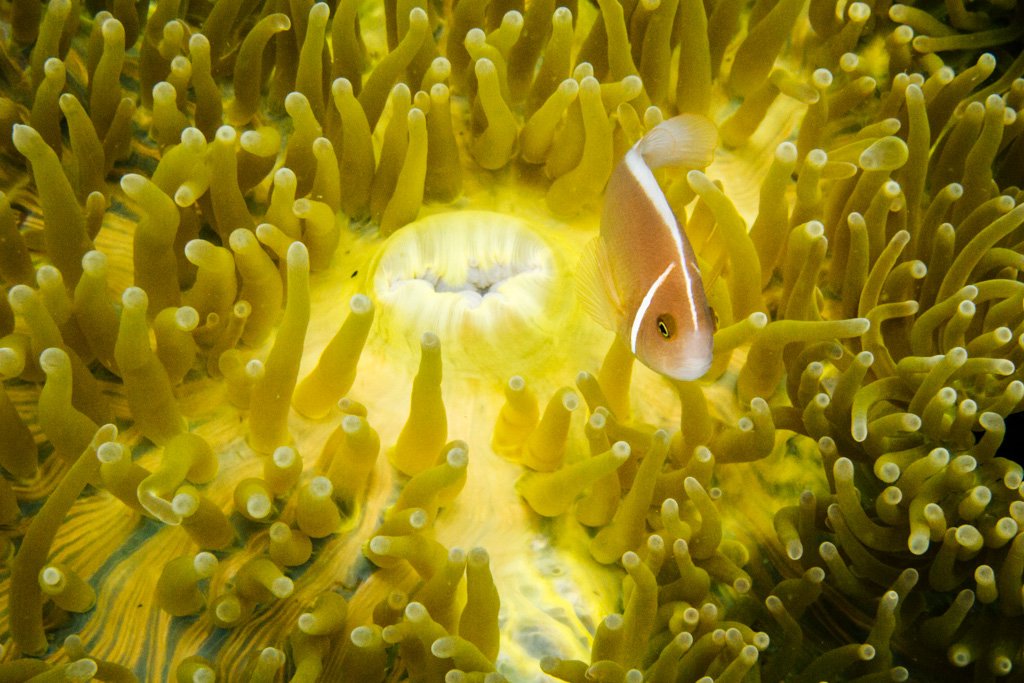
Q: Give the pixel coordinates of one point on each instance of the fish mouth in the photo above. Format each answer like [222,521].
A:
[689,369]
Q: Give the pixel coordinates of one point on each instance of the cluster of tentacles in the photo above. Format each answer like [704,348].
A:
[833,504]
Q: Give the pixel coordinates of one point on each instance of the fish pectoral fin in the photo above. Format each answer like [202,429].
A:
[595,285]
[710,271]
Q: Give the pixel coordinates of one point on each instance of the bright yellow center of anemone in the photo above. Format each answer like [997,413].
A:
[490,280]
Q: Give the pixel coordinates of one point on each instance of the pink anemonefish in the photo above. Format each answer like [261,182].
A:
[639,277]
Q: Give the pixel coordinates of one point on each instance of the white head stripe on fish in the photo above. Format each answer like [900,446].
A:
[641,311]
[638,168]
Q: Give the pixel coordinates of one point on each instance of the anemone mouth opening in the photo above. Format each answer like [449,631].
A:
[486,265]
[482,281]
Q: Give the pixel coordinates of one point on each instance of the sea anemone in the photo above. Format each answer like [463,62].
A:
[296,384]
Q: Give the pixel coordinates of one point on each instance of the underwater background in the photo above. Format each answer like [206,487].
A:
[297,387]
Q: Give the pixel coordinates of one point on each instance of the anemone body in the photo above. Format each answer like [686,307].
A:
[276,241]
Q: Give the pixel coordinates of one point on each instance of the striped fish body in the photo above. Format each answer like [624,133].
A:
[640,276]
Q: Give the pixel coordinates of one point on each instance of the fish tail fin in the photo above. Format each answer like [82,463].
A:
[687,140]
[595,285]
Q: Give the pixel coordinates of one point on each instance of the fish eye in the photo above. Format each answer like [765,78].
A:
[666,325]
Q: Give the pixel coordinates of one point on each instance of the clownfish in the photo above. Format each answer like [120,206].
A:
[639,277]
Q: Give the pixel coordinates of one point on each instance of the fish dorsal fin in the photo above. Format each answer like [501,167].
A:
[687,140]
[595,285]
